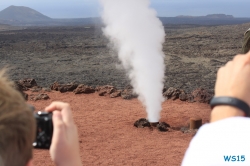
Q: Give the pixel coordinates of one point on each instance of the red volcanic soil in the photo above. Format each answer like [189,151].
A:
[107,134]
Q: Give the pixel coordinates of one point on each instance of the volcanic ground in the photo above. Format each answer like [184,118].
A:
[82,54]
[107,135]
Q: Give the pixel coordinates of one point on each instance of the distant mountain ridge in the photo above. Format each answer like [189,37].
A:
[25,16]
[218,16]
[21,13]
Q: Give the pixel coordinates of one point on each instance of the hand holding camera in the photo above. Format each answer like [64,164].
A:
[57,120]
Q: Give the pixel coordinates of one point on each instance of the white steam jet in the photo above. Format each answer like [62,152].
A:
[137,34]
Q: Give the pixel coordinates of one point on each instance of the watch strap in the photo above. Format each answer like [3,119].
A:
[243,106]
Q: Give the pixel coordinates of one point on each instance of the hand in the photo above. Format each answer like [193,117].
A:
[233,80]
[64,148]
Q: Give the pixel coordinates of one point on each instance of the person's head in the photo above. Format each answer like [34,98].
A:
[17,126]
[246,42]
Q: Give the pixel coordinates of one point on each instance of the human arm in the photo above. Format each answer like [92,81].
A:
[64,148]
[233,80]
[227,134]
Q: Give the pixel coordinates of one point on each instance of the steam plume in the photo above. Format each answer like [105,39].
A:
[137,35]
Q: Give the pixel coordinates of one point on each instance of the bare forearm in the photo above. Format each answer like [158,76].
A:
[222,112]
[77,162]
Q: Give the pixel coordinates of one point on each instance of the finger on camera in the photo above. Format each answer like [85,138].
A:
[64,108]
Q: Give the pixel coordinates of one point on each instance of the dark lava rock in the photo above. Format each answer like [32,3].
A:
[189,131]
[183,96]
[63,87]
[28,83]
[21,88]
[184,129]
[68,87]
[164,89]
[163,126]
[108,90]
[55,86]
[116,94]
[46,89]
[105,90]
[202,95]
[141,123]
[172,93]
[190,98]
[41,96]
[84,89]
[36,89]
[168,93]
[128,94]
[102,93]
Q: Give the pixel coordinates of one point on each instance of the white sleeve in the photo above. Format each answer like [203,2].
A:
[225,142]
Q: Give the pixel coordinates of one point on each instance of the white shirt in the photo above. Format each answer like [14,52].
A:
[227,139]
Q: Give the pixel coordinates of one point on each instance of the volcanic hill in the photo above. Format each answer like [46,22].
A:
[21,13]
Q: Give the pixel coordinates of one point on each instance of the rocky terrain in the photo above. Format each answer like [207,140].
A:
[78,59]
[107,135]
[81,54]
[193,54]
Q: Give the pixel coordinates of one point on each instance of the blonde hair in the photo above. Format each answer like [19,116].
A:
[17,125]
[246,42]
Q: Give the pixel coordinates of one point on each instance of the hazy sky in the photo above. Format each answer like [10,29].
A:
[168,8]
